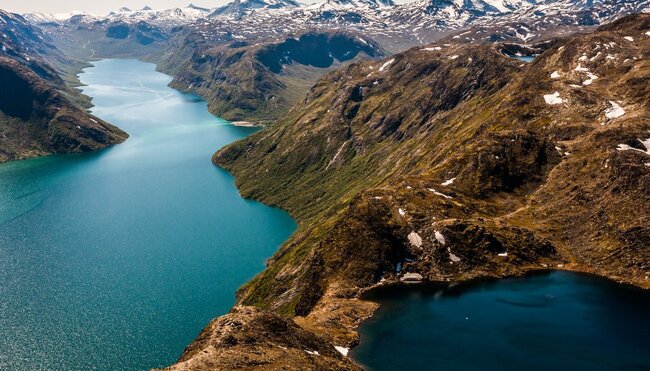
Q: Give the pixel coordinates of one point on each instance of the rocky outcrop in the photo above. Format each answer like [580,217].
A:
[252,339]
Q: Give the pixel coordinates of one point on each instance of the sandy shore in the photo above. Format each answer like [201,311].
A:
[247,124]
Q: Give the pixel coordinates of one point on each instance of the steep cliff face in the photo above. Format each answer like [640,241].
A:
[454,162]
[36,120]
[261,80]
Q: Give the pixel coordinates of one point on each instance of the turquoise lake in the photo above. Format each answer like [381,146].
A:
[116,260]
[548,321]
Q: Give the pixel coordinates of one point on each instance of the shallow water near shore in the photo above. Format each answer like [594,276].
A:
[546,321]
[116,260]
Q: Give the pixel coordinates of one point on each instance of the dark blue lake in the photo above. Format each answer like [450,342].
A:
[548,321]
[116,260]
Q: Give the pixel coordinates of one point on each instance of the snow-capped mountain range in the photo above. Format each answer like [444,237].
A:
[412,23]
[162,18]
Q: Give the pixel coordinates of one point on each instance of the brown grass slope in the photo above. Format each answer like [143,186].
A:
[252,339]
[472,114]
[366,164]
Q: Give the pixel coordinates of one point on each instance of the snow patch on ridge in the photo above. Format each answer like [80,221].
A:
[383,66]
[646,144]
[553,98]
[448,182]
[342,350]
[614,111]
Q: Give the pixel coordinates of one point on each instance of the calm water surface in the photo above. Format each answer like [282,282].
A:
[525,58]
[116,260]
[552,321]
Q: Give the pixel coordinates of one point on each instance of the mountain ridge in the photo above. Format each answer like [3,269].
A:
[259,82]
[517,168]
[39,113]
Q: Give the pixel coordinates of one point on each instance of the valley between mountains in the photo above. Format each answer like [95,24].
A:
[408,141]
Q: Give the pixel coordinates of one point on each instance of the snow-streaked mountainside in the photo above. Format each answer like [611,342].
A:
[27,45]
[161,18]
[395,26]
[239,8]
[352,4]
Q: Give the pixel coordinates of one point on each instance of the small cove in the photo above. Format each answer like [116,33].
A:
[551,320]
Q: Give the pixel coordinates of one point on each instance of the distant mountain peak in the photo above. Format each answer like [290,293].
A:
[351,4]
[124,9]
[195,7]
[476,7]
[146,8]
[241,7]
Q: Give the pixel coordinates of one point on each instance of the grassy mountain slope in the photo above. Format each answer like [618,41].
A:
[260,81]
[39,113]
[455,162]
[36,119]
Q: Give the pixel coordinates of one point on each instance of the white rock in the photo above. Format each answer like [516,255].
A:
[439,237]
[555,75]
[415,239]
[453,258]
[412,277]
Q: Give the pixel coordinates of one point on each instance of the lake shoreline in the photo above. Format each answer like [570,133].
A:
[408,295]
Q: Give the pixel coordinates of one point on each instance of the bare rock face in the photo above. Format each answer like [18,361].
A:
[249,338]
